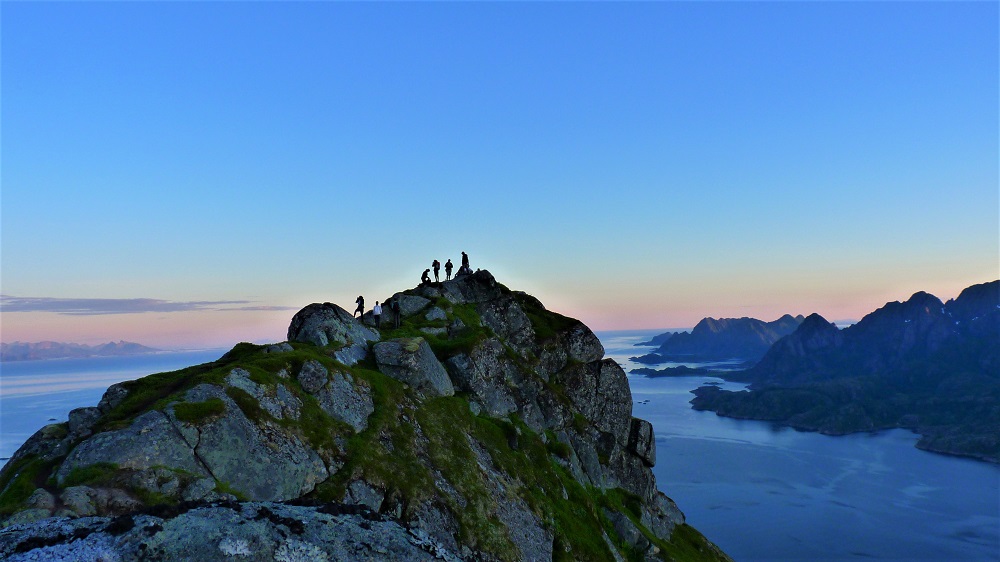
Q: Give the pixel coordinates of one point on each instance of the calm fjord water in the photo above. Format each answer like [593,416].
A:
[760,492]
[763,492]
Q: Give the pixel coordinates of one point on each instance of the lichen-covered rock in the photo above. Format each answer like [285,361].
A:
[576,344]
[151,440]
[582,344]
[509,322]
[249,453]
[486,378]
[411,360]
[276,400]
[435,313]
[81,421]
[313,376]
[113,396]
[360,492]
[642,442]
[251,531]
[346,400]
[410,304]
[41,499]
[661,516]
[626,530]
[599,391]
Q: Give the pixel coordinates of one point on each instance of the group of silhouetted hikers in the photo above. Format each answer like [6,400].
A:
[424,280]
[448,266]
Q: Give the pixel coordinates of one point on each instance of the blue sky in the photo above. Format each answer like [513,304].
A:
[631,164]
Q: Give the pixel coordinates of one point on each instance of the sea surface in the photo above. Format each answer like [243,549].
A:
[34,394]
[763,492]
[759,491]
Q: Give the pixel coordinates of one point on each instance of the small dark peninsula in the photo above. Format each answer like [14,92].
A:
[922,364]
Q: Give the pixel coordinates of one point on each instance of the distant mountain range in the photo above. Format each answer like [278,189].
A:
[921,364]
[720,339]
[30,351]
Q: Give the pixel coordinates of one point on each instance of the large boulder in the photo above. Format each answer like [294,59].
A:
[412,361]
[328,324]
[475,288]
[410,304]
[582,344]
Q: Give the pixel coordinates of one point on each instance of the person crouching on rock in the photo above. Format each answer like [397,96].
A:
[361,306]
[377,313]
[425,278]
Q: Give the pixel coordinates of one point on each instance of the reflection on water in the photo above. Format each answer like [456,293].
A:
[765,492]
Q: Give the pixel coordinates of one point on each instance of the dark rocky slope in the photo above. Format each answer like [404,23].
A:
[483,428]
[921,364]
[720,339]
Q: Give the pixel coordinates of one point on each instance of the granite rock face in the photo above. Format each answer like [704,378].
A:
[412,361]
[484,427]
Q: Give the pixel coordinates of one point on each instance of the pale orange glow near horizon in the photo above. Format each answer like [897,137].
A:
[607,310]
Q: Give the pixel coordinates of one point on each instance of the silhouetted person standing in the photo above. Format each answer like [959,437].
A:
[437,268]
[465,260]
[395,309]
[377,313]
[447,269]
[425,279]
[361,306]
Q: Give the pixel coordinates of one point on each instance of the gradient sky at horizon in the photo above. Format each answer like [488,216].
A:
[635,165]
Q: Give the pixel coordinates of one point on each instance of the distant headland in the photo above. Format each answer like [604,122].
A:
[33,351]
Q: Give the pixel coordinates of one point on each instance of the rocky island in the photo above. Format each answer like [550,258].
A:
[924,365]
[484,427]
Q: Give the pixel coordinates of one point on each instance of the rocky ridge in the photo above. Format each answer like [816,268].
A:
[720,339]
[484,427]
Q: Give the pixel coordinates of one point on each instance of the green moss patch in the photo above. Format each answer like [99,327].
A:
[99,473]
[248,405]
[196,412]
[21,480]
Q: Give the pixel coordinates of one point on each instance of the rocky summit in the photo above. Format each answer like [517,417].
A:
[482,427]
